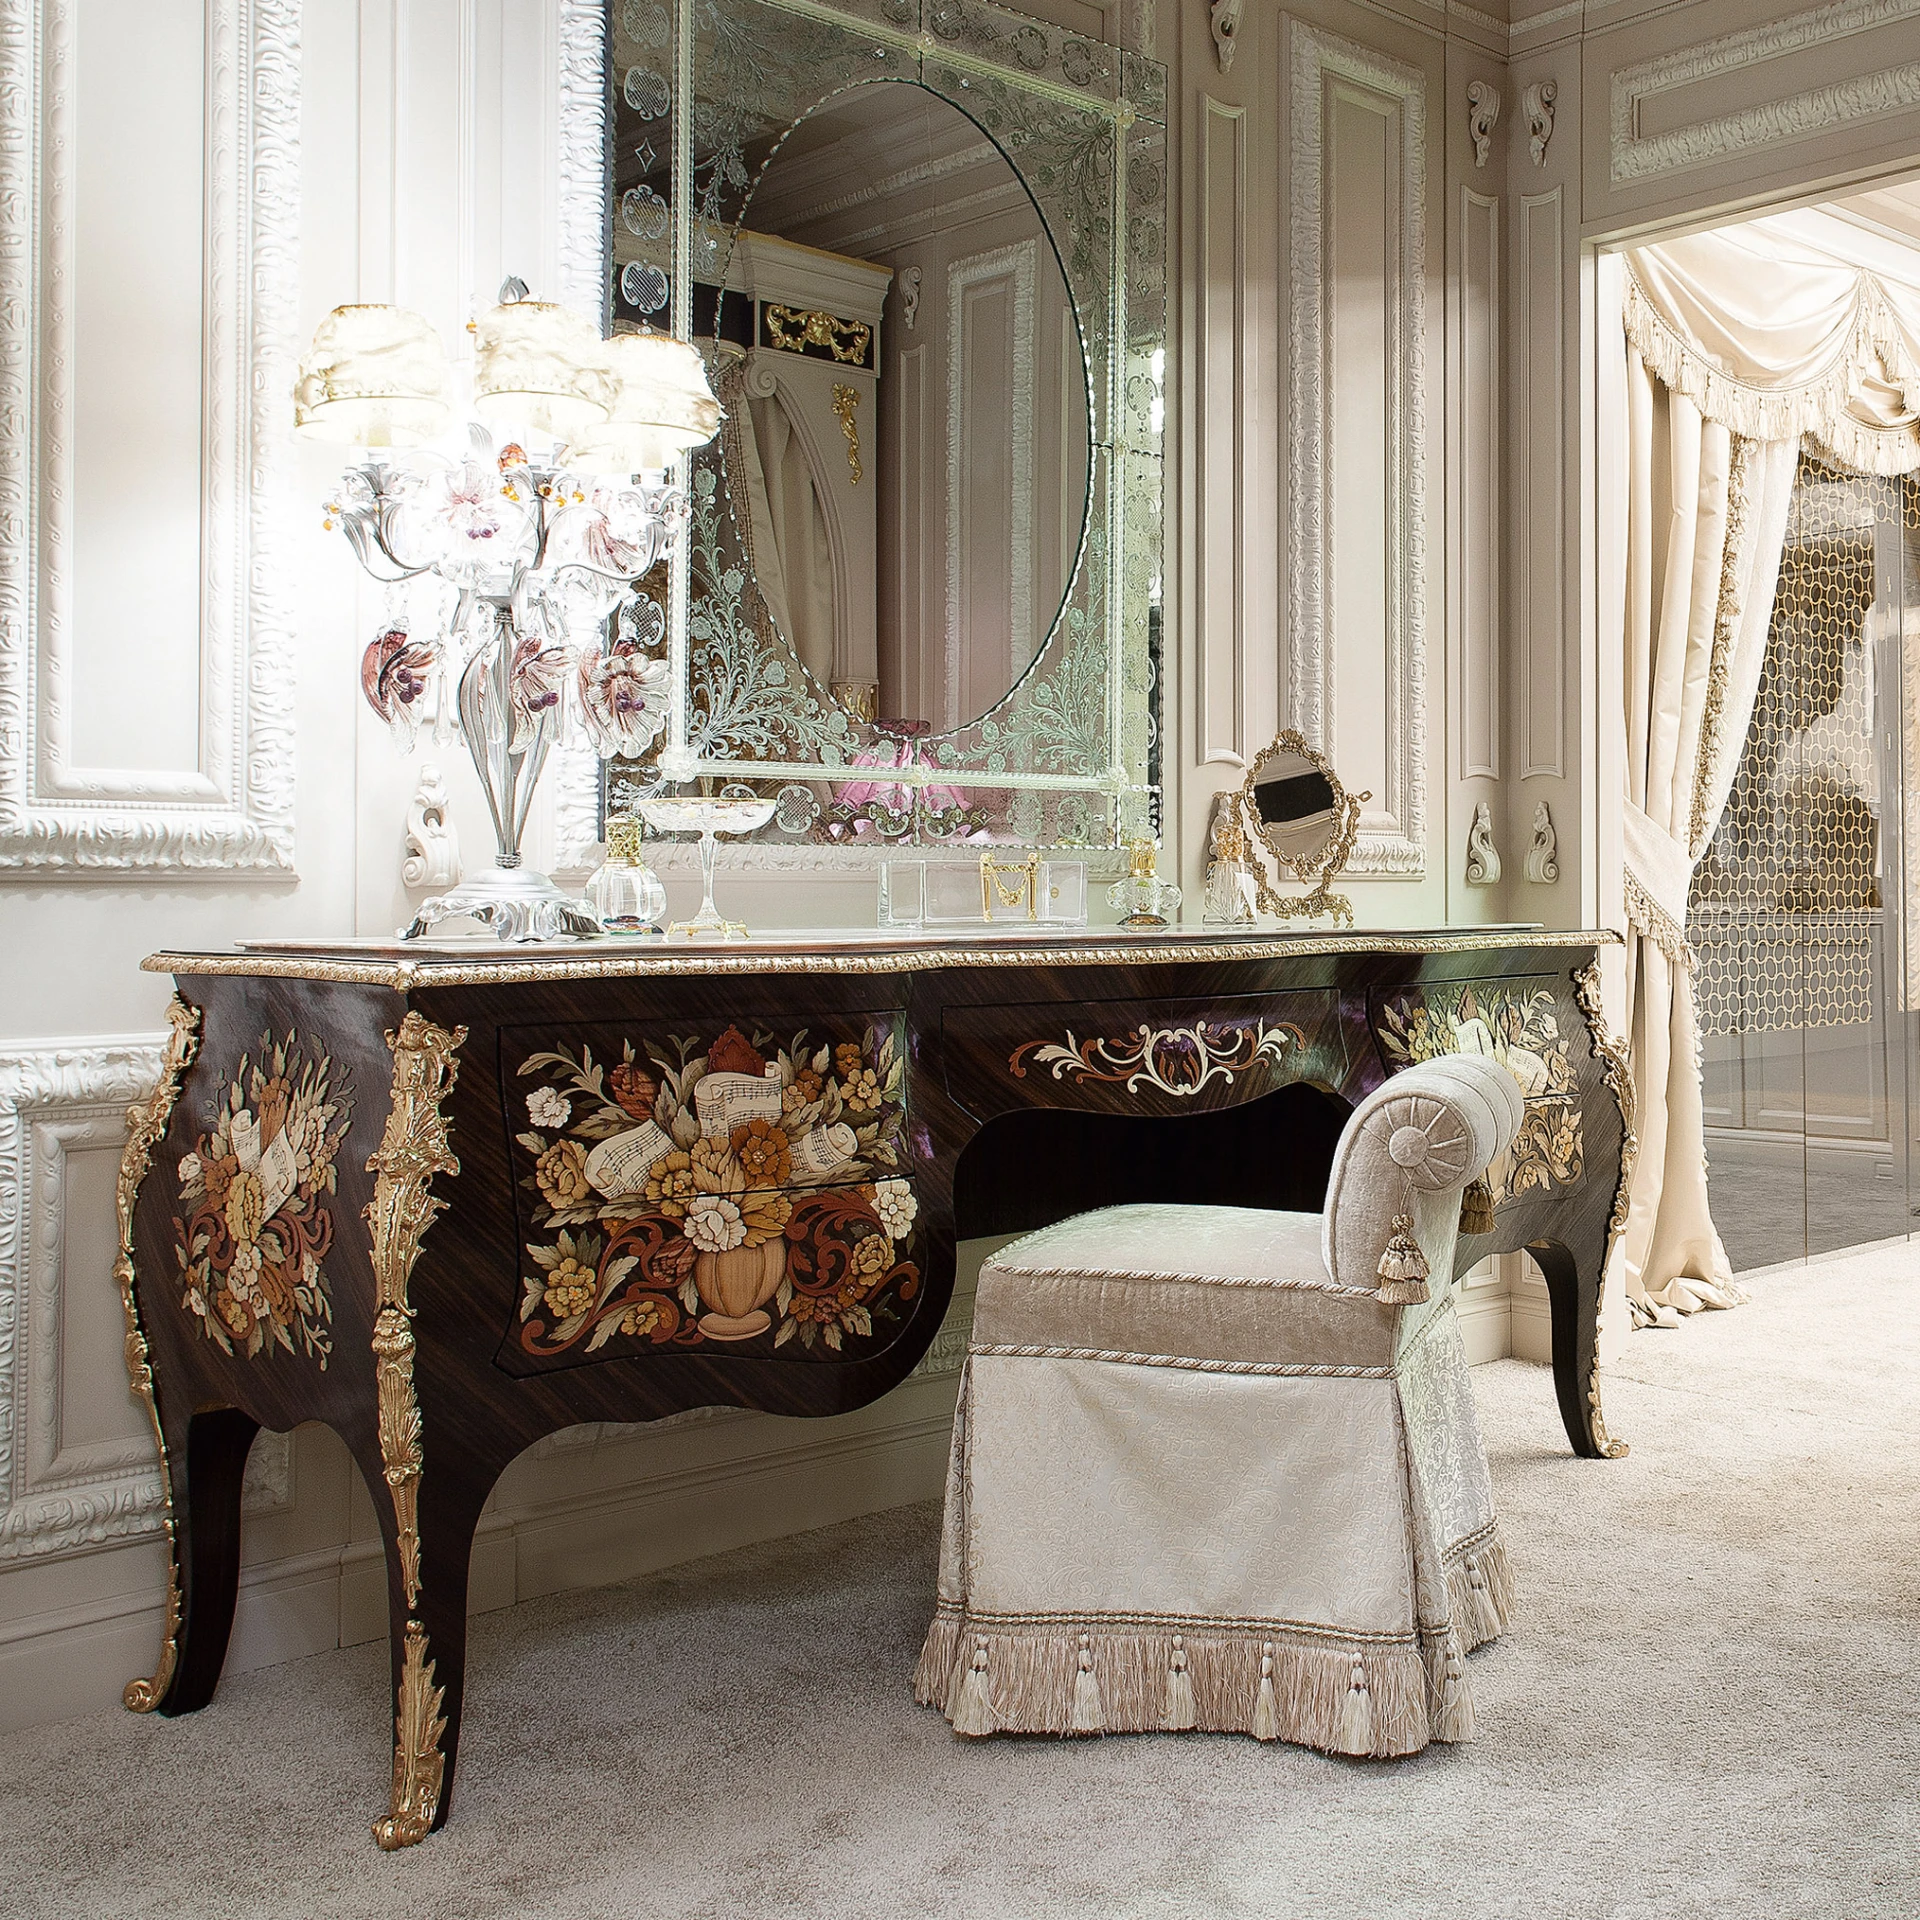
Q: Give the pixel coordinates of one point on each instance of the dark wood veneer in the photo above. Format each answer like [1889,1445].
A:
[988,1150]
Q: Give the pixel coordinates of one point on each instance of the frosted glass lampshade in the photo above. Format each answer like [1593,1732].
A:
[539,368]
[662,406]
[374,377]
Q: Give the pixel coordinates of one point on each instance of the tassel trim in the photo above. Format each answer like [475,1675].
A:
[1045,1680]
[1480,1596]
[1476,1208]
[1403,1267]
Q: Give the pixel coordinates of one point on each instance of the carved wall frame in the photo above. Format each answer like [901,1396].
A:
[231,815]
[1393,834]
[1632,156]
[58,1099]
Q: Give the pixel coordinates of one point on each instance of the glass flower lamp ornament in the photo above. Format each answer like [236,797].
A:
[515,613]
[732,810]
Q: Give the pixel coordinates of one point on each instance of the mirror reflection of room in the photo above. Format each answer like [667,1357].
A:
[908,454]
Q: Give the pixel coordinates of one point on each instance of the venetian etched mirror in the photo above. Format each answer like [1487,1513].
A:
[923,252]
[1293,806]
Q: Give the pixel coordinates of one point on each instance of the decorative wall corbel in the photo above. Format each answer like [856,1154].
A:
[1483,114]
[1223,16]
[1483,857]
[1536,101]
[909,283]
[433,846]
[1543,862]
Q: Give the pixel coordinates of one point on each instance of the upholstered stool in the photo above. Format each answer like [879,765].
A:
[1218,1468]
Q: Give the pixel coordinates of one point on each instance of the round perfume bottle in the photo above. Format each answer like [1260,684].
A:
[625,895]
[1145,899]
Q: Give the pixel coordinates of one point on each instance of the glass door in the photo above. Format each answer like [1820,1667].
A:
[1800,913]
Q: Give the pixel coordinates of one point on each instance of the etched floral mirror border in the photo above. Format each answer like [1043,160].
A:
[1074,745]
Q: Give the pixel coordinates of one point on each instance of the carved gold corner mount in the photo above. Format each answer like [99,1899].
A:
[1619,1074]
[846,402]
[146,1126]
[413,1148]
[419,1764]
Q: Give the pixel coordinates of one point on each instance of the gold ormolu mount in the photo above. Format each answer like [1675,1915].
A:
[412,1150]
[1015,884]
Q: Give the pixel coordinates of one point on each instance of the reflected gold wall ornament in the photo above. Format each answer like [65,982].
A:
[861,698]
[845,400]
[1293,806]
[146,1127]
[412,1150]
[1014,882]
[419,1766]
[796,330]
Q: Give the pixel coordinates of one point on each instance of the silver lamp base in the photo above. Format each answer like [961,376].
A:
[514,903]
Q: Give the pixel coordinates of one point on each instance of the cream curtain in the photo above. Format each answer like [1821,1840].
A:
[795,531]
[1743,345]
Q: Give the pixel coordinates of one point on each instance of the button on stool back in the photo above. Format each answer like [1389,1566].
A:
[1217,1468]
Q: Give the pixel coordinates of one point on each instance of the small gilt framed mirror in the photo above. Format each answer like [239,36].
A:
[1293,807]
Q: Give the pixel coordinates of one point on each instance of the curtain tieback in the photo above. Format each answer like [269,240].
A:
[1659,876]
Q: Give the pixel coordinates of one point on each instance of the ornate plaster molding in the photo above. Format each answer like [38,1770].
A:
[1223,18]
[572,786]
[58,1099]
[232,812]
[1483,857]
[1483,115]
[1537,102]
[1393,833]
[1766,123]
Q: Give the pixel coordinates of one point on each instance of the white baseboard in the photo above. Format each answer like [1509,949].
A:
[640,1499]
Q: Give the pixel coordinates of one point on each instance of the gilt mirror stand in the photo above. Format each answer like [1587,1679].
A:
[1293,807]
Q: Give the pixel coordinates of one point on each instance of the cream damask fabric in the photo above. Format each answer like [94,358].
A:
[1202,1478]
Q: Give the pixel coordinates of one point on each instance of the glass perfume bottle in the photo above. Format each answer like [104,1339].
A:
[1145,900]
[625,895]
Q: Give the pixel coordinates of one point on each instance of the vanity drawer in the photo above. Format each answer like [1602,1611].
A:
[1140,1056]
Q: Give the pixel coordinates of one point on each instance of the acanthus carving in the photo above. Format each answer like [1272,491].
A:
[433,845]
[146,1126]
[1223,17]
[419,1765]
[1536,102]
[413,1149]
[1483,114]
[234,807]
[1543,861]
[1483,857]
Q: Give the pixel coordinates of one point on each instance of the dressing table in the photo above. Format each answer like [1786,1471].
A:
[449,1200]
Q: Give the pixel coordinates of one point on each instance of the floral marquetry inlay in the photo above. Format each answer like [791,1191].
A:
[1176,1060]
[1519,1028]
[732,1189]
[255,1193]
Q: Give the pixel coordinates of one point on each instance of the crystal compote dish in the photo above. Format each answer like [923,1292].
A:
[694,813]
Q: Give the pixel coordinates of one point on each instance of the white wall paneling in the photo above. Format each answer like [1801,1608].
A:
[1474,502]
[145,708]
[1687,119]
[1221,428]
[77,1465]
[1540,483]
[1357,445]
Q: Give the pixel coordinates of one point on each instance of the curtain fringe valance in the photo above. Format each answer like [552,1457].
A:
[1845,396]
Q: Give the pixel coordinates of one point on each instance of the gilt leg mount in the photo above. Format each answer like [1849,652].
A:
[413,1149]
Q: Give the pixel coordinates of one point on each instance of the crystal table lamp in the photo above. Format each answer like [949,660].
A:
[507,569]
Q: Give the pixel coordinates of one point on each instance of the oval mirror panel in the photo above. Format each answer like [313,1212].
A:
[909,454]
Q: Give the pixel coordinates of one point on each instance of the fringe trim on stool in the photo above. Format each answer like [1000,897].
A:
[1480,1593]
[1056,1679]
[1454,1721]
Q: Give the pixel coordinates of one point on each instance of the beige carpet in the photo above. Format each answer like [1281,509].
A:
[1710,1706]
